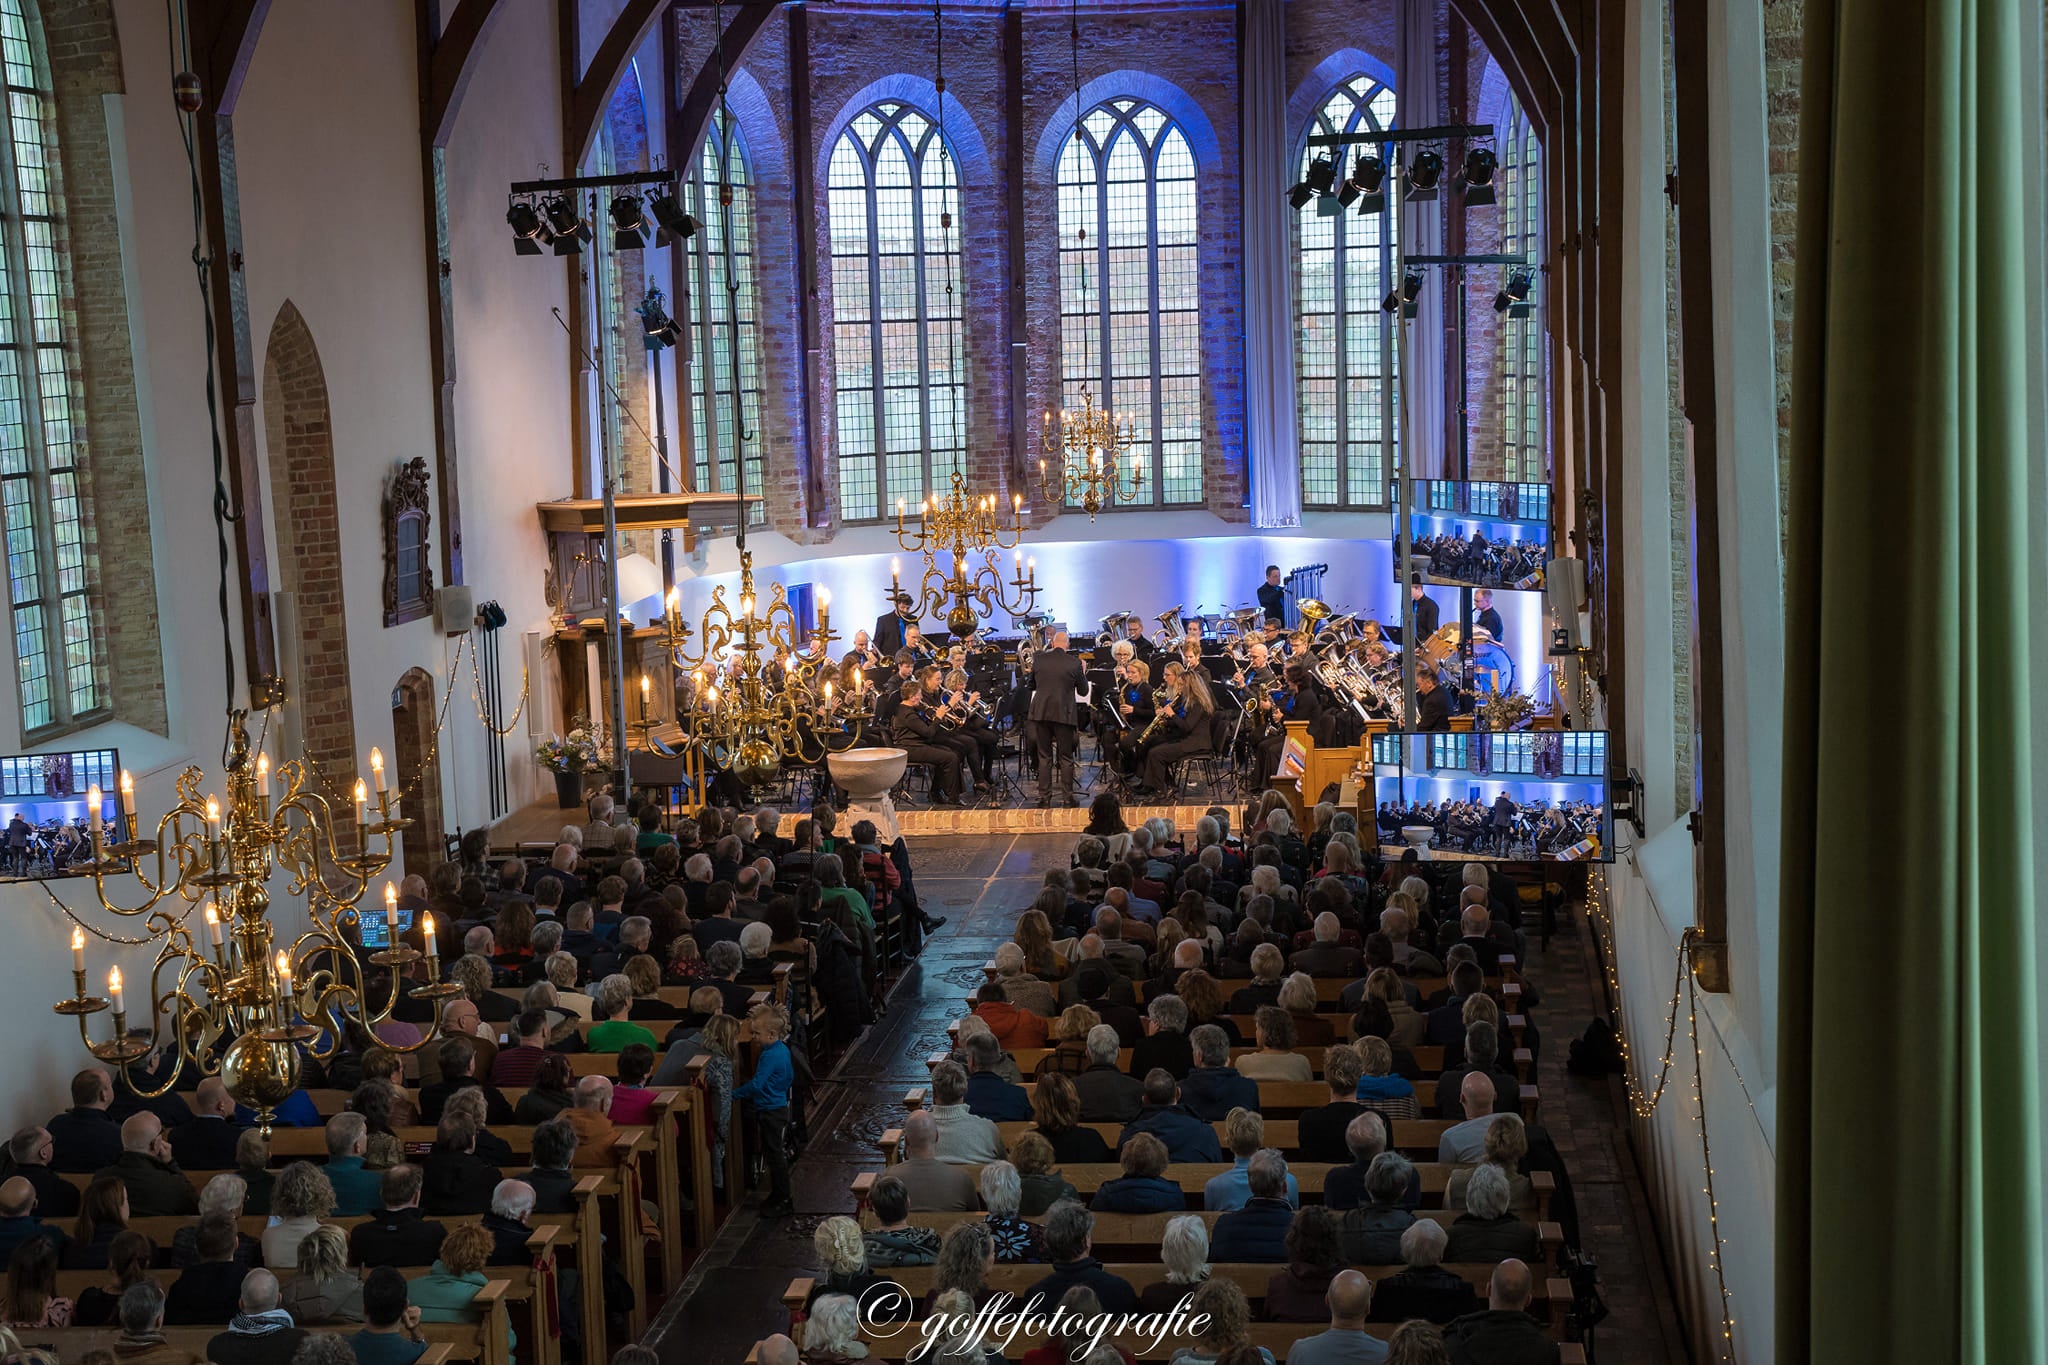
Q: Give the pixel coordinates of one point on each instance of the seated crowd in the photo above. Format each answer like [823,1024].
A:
[1149,996]
[565,957]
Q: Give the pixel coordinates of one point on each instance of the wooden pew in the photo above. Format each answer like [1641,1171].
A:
[1410,1136]
[483,1342]
[895,1343]
[1505,987]
[1280,1099]
[1194,1176]
[1552,1299]
[1142,1232]
[1429,1059]
[538,1344]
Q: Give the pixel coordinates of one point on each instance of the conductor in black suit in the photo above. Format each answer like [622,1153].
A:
[1432,703]
[889,628]
[1273,597]
[1056,676]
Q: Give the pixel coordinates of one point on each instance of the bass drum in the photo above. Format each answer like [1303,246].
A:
[1493,670]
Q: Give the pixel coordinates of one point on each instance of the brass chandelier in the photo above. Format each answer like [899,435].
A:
[1088,443]
[963,527]
[756,697]
[267,1002]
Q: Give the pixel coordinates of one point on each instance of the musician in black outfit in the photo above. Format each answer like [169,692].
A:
[1484,617]
[1297,702]
[1057,676]
[1132,701]
[1186,729]
[889,628]
[1426,612]
[1273,597]
[919,735]
[968,732]
[1432,703]
[1135,633]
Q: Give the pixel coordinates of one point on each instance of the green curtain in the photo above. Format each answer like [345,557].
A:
[1909,1156]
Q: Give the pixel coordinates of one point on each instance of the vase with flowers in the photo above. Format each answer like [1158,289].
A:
[569,757]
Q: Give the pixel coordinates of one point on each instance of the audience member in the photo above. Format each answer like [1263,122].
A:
[262,1333]
[1422,1288]
[396,1234]
[1142,1188]
[935,1186]
[1245,1131]
[1504,1333]
[1187,1138]
[1068,1230]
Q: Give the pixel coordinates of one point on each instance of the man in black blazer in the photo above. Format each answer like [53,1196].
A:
[917,734]
[1057,676]
[553,1183]
[207,1143]
[888,635]
[84,1136]
[1427,614]
[1432,703]
[396,1235]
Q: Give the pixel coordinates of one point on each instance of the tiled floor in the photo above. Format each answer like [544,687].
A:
[980,883]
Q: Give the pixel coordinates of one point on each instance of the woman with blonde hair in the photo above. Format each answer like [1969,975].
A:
[1229,1316]
[1039,1183]
[1506,1143]
[447,1293]
[1298,998]
[301,1199]
[844,1252]
[1069,1055]
[1378,1088]
[720,1039]
[966,1258]
[325,1291]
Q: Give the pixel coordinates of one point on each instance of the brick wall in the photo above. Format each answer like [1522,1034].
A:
[300,441]
[866,52]
[1784,21]
[85,65]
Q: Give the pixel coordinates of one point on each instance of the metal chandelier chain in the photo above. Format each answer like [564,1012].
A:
[955,359]
[726,199]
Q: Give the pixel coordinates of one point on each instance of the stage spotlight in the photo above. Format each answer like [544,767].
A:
[1513,300]
[1404,297]
[1321,179]
[1480,164]
[659,328]
[1424,173]
[674,225]
[571,232]
[1368,179]
[530,231]
[629,223]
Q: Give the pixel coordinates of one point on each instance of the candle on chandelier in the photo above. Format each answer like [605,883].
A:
[895,579]
[78,950]
[127,794]
[899,514]
[213,831]
[362,797]
[428,921]
[114,989]
[93,798]
[213,924]
[646,694]
[828,692]
[284,975]
[391,907]
[824,608]
[856,680]
[263,775]
[377,769]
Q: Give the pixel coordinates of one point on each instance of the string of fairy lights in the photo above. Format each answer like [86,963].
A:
[1643,1104]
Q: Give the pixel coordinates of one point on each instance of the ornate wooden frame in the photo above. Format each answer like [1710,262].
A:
[407,501]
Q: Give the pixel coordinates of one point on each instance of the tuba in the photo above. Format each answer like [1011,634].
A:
[1312,610]
[1170,628]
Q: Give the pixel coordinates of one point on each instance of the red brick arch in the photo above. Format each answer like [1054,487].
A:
[300,439]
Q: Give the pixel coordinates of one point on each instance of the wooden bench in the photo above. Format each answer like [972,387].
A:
[1505,987]
[483,1341]
[1417,1136]
[901,1343]
[1193,1178]
[1551,1302]
[1429,1059]
[1278,1099]
[520,1284]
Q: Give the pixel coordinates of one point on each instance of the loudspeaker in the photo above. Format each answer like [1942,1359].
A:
[1564,585]
[455,610]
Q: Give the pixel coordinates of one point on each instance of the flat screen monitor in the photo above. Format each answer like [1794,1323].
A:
[1513,796]
[1480,534]
[45,830]
[374,932]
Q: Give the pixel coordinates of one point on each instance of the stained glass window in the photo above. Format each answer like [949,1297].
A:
[1522,390]
[52,572]
[722,304]
[1344,355]
[898,363]
[1130,290]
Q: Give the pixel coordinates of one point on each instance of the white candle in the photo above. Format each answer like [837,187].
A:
[361,797]
[114,989]
[263,774]
[377,769]
[93,797]
[127,794]
[391,907]
[284,978]
[213,923]
[77,950]
[429,921]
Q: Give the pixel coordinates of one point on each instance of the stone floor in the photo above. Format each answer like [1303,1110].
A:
[731,1297]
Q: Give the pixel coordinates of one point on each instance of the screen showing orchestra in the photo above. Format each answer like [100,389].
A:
[48,824]
[1492,535]
[1526,794]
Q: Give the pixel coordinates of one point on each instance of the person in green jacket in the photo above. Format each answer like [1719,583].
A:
[447,1293]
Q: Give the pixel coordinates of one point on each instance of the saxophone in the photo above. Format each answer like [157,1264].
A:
[1162,704]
